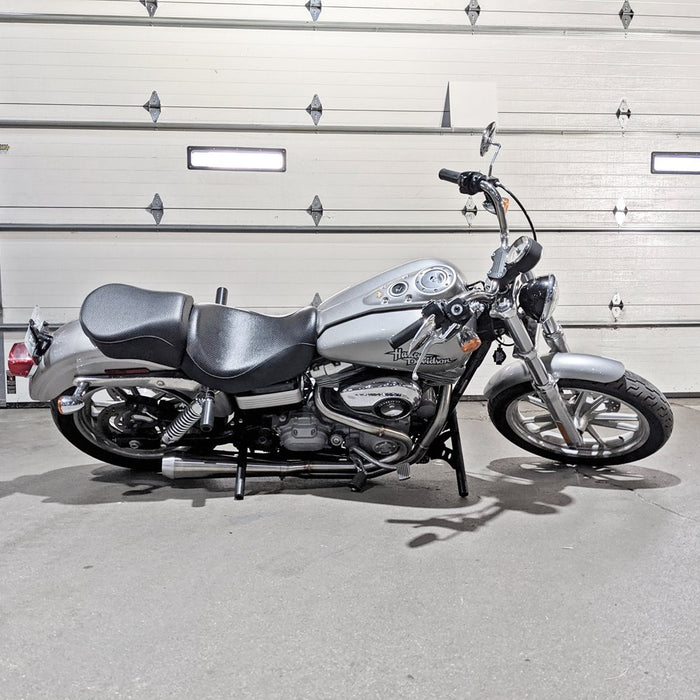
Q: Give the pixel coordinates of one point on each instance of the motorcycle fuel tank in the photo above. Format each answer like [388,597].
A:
[355,325]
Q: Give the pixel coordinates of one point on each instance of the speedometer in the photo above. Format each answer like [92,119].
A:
[523,254]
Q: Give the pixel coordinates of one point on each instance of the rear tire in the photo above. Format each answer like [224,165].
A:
[620,422]
[121,426]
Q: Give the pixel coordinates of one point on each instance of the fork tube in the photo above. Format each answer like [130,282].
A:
[554,336]
[544,383]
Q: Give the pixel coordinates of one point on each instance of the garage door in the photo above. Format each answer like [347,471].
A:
[99,105]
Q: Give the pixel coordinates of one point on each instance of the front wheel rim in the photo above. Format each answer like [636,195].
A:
[608,426]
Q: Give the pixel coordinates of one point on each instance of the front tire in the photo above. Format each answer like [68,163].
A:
[620,422]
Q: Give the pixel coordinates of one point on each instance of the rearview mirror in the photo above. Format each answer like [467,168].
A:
[487,138]
[487,141]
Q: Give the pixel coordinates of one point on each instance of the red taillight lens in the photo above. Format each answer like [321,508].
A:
[19,361]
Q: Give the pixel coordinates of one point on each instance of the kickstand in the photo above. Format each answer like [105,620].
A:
[456,458]
[241,468]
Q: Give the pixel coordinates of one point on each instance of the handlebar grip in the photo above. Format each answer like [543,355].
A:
[449,175]
[398,339]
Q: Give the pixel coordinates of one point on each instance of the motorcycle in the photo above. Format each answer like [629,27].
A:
[363,384]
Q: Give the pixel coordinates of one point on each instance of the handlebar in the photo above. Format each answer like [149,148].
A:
[449,175]
[469,182]
[398,339]
[473,182]
[480,295]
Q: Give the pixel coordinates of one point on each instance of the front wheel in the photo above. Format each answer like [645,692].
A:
[619,422]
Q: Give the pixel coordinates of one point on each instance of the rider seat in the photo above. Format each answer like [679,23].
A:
[132,323]
[236,351]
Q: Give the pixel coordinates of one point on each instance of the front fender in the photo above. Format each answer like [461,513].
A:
[561,365]
[72,353]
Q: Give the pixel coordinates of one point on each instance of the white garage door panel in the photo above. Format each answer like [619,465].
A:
[256,267]
[446,12]
[207,75]
[362,179]
[565,153]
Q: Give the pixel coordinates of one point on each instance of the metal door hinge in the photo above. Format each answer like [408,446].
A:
[314,8]
[155,208]
[151,6]
[616,306]
[620,211]
[153,106]
[470,211]
[316,210]
[315,109]
[473,11]
[626,14]
[623,113]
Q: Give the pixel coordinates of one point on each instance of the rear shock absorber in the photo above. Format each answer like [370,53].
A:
[200,408]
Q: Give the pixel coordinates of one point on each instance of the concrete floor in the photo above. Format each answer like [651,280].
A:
[546,583]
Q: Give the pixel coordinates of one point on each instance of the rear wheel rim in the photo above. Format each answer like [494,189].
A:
[129,421]
[609,426]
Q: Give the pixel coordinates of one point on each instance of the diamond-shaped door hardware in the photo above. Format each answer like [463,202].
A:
[620,211]
[626,14]
[155,208]
[473,11]
[151,6]
[315,109]
[314,8]
[623,113]
[616,306]
[470,211]
[316,210]
[153,106]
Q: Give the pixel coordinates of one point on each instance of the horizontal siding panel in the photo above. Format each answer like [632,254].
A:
[258,272]
[269,77]
[498,14]
[88,177]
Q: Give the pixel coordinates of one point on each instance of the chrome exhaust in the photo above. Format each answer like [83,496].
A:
[191,468]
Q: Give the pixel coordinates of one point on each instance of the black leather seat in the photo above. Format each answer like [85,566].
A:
[236,351]
[129,322]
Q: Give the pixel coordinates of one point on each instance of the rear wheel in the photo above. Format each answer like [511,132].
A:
[619,422]
[122,426]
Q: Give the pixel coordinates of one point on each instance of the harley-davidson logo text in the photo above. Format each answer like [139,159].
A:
[400,354]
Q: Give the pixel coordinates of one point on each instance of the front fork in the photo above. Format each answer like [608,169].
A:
[544,383]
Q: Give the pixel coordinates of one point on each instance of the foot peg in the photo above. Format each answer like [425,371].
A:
[358,481]
[403,471]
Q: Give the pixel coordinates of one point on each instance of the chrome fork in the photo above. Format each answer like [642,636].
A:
[544,383]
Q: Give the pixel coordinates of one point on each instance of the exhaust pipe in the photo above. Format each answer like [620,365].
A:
[189,468]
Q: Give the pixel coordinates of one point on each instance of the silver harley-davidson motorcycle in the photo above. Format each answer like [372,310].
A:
[360,385]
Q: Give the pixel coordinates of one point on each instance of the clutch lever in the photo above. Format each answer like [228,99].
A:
[424,332]
[433,338]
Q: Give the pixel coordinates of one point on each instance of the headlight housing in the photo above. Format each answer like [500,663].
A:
[538,298]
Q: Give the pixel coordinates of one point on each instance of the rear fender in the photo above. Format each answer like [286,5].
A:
[561,365]
[72,354]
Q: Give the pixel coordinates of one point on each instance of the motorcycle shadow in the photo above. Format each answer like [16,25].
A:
[536,487]
[515,484]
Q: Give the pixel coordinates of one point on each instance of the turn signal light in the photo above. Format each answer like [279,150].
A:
[19,361]
[471,345]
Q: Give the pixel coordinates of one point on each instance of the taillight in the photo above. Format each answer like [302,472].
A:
[19,361]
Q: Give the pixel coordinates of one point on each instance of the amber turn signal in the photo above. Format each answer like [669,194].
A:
[471,345]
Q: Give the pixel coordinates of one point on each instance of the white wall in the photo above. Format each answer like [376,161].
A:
[84,156]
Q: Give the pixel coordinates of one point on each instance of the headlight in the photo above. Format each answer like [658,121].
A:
[539,297]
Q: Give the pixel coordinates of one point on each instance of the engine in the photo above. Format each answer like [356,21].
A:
[387,401]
